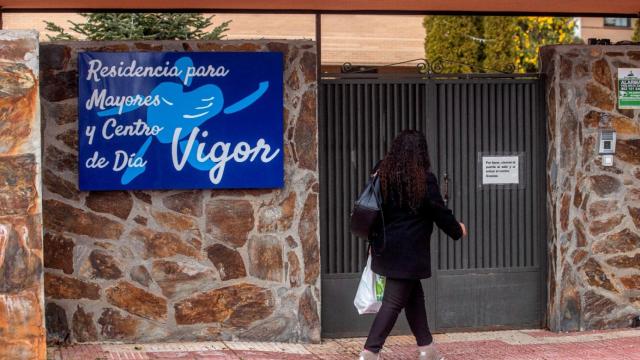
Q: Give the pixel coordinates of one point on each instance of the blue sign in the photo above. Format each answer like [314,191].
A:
[180,120]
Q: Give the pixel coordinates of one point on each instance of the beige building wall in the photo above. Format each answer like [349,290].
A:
[244,26]
[359,39]
[593,27]
[17,21]
[371,39]
[268,26]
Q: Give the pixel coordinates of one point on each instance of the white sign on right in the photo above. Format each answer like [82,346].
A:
[500,170]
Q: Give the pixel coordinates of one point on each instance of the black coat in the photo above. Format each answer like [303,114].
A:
[407,254]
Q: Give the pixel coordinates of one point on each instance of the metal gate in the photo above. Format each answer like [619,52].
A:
[495,278]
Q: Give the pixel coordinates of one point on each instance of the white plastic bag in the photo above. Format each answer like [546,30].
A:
[370,290]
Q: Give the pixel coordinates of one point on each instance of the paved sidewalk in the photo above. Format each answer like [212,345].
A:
[497,345]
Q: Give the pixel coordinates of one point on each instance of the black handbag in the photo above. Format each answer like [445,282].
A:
[367,219]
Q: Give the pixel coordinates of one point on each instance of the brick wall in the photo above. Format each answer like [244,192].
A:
[21,298]
[181,265]
[594,257]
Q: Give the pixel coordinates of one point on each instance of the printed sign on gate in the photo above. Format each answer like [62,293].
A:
[500,170]
[180,120]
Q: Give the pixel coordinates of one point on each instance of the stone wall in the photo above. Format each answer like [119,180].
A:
[594,259]
[172,265]
[22,334]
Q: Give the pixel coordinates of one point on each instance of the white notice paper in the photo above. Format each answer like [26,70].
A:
[500,170]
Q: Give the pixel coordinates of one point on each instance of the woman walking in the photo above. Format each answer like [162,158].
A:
[411,205]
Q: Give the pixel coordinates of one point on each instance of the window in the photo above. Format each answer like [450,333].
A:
[617,22]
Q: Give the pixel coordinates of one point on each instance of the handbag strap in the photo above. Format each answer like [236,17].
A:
[379,199]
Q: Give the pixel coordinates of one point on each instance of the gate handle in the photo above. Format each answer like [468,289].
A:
[446,189]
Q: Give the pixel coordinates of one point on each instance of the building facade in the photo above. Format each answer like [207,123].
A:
[612,28]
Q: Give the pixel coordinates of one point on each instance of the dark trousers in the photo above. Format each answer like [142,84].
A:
[399,294]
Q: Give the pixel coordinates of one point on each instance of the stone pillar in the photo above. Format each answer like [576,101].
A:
[594,262]
[181,265]
[22,333]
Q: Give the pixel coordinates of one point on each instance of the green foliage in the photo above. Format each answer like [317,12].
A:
[636,31]
[141,26]
[60,33]
[500,42]
[535,32]
[494,43]
[455,39]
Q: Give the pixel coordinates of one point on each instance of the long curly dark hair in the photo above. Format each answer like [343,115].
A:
[403,172]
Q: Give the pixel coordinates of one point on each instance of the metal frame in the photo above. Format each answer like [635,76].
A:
[420,77]
[423,66]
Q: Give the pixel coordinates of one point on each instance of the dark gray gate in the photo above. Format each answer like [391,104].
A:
[495,277]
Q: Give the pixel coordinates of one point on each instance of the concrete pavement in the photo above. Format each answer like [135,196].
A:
[494,345]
